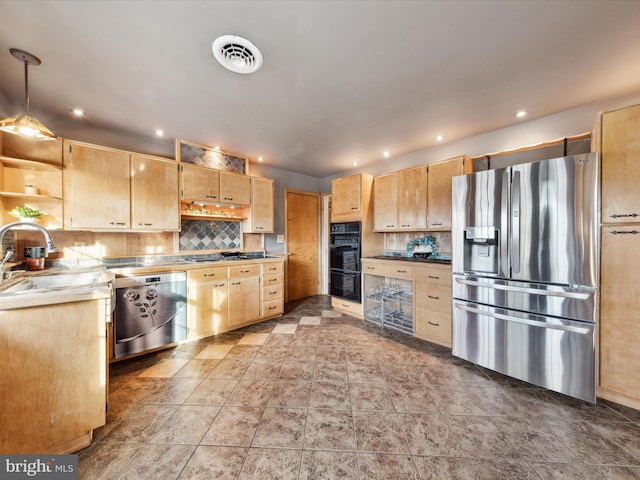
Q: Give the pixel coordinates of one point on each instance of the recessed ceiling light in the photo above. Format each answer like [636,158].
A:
[521,114]
[77,112]
[237,54]
[217,147]
[354,164]
[440,138]
[386,154]
[159,133]
[260,159]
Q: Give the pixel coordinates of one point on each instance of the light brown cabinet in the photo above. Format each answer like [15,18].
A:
[272,289]
[439,192]
[199,184]
[244,295]
[400,200]
[154,193]
[260,219]
[432,306]
[621,166]
[96,187]
[108,189]
[208,301]
[24,163]
[235,188]
[619,320]
[348,195]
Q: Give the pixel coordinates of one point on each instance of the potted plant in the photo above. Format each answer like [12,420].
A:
[26,214]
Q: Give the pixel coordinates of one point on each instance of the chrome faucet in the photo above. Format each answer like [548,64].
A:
[51,247]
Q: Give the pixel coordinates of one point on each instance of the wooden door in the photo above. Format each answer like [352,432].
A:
[620,166]
[96,187]
[200,184]
[439,192]
[412,199]
[385,205]
[302,233]
[155,204]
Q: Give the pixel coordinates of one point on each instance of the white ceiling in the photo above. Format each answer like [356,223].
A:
[342,81]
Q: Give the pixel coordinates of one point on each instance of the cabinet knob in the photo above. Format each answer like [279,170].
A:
[401,271]
[116,223]
[434,324]
[259,228]
[434,277]
[211,196]
[236,283]
[145,224]
[354,208]
[245,271]
[625,232]
[433,298]
[406,225]
[436,224]
[227,198]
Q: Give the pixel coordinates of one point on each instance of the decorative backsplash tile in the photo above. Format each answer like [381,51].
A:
[8,242]
[210,235]
[212,158]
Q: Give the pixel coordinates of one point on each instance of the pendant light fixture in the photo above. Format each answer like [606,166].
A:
[24,124]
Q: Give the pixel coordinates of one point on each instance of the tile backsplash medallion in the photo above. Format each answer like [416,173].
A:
[209,235]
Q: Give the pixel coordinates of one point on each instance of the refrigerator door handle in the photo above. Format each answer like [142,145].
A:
[534,291]
[504,231]
[515,222]
[509,318]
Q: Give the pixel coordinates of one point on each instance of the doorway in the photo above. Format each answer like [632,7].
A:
[302,234]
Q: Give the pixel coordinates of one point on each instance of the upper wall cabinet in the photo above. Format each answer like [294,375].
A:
[108,189]
[621,166]
[200,184]
[260,219]
[439,192]
[31,175]
[235,188]
[400,200]
[348,196]
[154,193]
[96,187]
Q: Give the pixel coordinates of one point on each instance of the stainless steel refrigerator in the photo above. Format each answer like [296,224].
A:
[525,271]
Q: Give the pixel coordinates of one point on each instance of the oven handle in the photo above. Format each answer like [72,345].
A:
[534,323]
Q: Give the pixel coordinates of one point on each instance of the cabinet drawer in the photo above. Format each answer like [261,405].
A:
[433,297]
[346,306]
[244,271]
[386,269]
[272,292]
[274,279]
[207,274]
[272,307]
[270,268]
[433,326]
[441,276]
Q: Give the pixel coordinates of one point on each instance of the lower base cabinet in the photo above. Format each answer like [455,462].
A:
[432,291]
[220,299]
[346,306]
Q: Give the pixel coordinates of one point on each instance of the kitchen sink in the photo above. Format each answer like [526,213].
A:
[57,281]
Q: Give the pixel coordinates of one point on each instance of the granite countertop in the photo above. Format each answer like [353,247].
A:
[440,260]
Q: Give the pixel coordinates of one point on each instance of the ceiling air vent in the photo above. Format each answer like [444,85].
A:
[237,54]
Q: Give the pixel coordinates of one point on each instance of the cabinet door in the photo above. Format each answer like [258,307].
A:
[261,205]
[385,204]
[619,314]
[200,184]
[346,198]
[235,188]
[620,166]
[155,204]
[96,187]
[208,307]
[244,300]
[412,199]
[439,192]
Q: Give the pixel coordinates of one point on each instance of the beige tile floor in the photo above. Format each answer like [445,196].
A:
[319,395]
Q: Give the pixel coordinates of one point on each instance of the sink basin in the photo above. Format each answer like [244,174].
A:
[58,281]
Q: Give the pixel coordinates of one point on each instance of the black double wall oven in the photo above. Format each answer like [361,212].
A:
[344,257]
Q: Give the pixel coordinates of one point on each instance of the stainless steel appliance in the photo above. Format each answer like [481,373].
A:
[150,312]
[344,260]
[525,270]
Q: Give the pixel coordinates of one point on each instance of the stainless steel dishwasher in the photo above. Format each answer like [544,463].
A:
[150,312]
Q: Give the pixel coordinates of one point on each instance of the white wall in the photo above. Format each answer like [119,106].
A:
[564,124]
